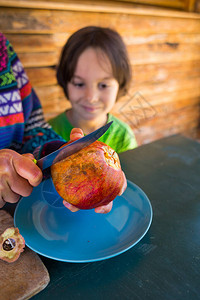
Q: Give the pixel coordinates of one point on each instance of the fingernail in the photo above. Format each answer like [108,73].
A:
[100,210]
[70,207]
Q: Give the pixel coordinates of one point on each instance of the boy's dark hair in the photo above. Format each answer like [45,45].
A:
[102,38]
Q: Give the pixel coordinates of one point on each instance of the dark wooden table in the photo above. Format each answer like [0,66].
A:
[165,264]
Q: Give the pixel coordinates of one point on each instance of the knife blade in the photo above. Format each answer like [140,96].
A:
[72,148]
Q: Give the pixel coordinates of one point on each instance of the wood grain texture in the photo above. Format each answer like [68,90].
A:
[164,50]
[26,276]
[123,6]
[197,6]
[187,5]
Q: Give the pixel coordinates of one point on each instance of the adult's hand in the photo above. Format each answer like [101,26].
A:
[18,175]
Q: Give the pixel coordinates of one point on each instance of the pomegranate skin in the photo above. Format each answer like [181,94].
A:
[89,178]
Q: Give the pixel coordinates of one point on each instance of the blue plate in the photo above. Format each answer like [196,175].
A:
[84,236]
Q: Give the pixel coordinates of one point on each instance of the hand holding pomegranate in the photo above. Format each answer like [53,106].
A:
[90,178]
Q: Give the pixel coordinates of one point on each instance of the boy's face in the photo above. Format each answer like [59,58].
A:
[93,89]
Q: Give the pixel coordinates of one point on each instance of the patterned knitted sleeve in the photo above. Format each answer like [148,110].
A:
[38,136]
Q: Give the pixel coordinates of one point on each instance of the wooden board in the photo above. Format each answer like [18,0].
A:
[25,277]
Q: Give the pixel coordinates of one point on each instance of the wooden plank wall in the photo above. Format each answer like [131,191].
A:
[164,48]
[197,6]
[186,5]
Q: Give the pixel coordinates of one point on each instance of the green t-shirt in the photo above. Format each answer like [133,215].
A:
[119,136]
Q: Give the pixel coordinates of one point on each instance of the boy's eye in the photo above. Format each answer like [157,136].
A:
[103,85]
[78,84]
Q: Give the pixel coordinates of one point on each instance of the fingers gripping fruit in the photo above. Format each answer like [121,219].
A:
[11,244]
[89,178]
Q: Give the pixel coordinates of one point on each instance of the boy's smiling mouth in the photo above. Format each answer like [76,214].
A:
[90,108]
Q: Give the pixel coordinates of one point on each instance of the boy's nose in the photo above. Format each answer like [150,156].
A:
[91,95]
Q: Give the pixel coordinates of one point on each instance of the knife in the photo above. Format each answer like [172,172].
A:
[72,148]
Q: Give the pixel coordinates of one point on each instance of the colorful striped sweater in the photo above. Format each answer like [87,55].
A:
[22,124]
